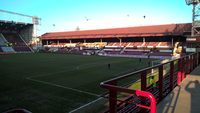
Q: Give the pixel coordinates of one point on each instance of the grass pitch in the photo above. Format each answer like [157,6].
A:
[57,83]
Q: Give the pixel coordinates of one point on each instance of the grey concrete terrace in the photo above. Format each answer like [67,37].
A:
[184,98]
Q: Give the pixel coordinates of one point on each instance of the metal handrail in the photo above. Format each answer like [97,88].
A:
[138,93]
[188,60]
[152,99]
[139,71]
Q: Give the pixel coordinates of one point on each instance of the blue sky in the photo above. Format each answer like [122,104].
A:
[66,15]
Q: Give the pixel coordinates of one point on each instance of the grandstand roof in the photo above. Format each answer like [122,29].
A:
[141,31]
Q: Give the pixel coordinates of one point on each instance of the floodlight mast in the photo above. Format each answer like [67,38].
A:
[195,31]
[35,20]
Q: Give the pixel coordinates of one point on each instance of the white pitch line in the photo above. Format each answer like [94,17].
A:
[60,86]
[68,70]
[47,74]
[86,105]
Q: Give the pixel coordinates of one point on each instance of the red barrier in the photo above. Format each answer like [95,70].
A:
[113,97]
[179,72]
[183,69]
[151,97]
[153,92]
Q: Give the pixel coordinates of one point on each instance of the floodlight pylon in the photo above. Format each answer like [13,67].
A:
[195,31]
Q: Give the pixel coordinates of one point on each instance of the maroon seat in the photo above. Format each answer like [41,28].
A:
[16,42]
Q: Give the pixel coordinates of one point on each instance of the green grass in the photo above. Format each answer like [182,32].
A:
[40,82]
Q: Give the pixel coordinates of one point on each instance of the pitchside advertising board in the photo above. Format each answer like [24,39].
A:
[190,49]
[192,40]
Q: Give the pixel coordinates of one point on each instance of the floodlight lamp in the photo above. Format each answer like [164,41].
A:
[194,2]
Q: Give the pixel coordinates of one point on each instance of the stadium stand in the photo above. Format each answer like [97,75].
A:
[3,41]
[15,36]
[147,40]
[151,44]
[164,45]
[8,49]
[5,45]
[133,53]
[16,42]
[135,44]
[70,44]
[1,50]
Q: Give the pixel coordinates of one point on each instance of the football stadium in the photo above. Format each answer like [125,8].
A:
[108,70]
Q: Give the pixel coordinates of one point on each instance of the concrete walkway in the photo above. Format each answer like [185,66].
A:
[184,98]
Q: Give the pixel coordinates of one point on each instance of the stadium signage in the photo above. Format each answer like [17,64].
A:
[190,49]
[191,39]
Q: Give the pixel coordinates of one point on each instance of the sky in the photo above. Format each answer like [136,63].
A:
[67,15]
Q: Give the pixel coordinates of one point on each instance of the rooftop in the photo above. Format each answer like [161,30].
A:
[140,31]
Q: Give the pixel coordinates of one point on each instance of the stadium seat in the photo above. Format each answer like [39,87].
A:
[16,42]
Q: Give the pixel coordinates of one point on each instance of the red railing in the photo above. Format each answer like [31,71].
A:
[169,75]
[152,99]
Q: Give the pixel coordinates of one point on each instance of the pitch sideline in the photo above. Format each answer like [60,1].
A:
[60,86]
